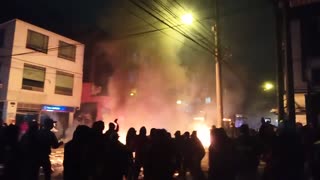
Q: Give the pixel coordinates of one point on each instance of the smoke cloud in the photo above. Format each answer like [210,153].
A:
[144,76]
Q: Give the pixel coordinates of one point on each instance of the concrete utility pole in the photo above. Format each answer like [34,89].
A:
[217,58]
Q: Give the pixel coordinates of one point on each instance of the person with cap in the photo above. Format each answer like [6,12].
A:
[47,140]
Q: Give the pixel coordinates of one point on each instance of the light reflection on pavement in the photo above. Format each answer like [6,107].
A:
[56,159]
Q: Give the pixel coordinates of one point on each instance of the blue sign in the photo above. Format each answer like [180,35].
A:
[57,108]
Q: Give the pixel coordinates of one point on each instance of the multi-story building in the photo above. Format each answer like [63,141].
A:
[305,35]
[40,73]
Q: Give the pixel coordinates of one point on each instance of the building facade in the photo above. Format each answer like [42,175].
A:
[40,73]
[305,35]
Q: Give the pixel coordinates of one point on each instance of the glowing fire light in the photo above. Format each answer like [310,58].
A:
[199,118]
[203,133]
[122,137]
[226,119]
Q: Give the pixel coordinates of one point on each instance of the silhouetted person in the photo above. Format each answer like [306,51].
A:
[131,146]
[30,153]
[267,139]
[287,155]
[141,149]
[178,148]
[186,154]
[221,161]
[98,127]
[112,129]
[11,153]
[97,150]
[131,139]
[160,159]
[76,162]
[265,131]
[198,154]
[315,157]
[147,169]
[47,140]
[2,142]
[309,136]
[247,155]
[118,157]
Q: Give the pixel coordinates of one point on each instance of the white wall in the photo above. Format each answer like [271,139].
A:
[50,61]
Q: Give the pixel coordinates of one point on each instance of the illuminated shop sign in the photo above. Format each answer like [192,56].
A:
[57,108]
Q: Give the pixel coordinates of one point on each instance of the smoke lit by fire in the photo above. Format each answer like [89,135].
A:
[158,80]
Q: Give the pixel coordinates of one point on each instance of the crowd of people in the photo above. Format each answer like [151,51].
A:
[24,153]
[289,153]
[99,155]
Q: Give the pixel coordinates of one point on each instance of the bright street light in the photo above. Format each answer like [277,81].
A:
[179,102]
[187,19]
[267,86]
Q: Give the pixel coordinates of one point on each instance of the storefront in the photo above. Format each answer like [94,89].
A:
[62,115]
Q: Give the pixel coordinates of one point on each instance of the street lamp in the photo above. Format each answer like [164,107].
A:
[268,86]
[187,18]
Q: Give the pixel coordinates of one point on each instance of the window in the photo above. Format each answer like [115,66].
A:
[315,73]
[37,41]
[64,83]
[33,77]
[67,51]
[2,35]
[311,36]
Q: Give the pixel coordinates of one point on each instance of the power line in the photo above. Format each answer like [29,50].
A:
[151,31]
[145,32]
[157,10]
[117,38]
[186,36]
[34,51]
[205,29]
[167,9]
[41,65]
[159,30]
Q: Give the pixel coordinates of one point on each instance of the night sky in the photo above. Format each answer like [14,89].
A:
[247,28]
[248,25]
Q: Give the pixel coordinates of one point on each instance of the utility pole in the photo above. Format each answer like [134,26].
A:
[217,58]
[291,110]
[280,58]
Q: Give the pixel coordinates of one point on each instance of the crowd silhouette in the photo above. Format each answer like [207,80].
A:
[23,155]
[283,153]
